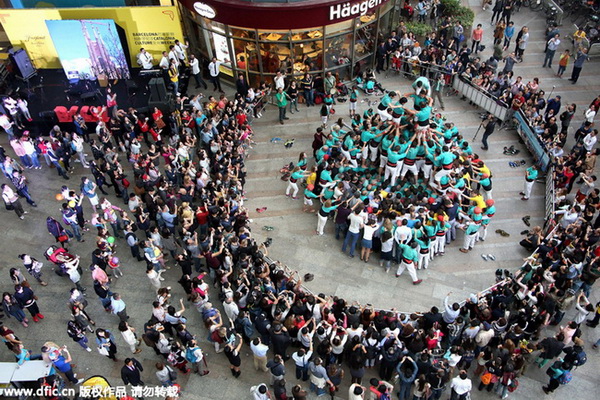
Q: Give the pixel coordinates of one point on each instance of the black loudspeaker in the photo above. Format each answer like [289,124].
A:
[48,116]
[23,63]
[91,96]
[167,105]
[158,91]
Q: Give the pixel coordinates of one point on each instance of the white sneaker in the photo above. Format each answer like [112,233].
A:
[88,350]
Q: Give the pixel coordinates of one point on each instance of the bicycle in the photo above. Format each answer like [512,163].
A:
[536,5]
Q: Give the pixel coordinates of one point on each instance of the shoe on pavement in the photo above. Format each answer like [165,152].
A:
[463,250]
[491,257]
[417,282]
[485,258]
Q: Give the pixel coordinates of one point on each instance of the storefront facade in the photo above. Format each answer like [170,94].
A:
[259,38]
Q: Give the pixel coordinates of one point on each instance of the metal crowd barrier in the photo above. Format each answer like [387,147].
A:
[550,194]
[481,98]
[532,141]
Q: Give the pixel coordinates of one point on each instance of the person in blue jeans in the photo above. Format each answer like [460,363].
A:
[341,221]
[54,159]
[356,224]
[20,183]
[407,373]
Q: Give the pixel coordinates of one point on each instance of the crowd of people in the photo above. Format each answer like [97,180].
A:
[397,176]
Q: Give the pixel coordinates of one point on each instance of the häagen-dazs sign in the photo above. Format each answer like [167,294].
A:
[346,10]
[205,10]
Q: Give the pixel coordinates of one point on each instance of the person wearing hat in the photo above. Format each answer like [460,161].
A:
[309,195]
[486,184]
[488,213]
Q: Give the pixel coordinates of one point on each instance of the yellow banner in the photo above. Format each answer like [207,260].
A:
[153,28]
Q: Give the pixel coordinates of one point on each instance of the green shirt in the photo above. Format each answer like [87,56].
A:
[409,253]
[281,99]
[532,173]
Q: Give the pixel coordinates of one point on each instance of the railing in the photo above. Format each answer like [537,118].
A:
[532,141]
[550,195]
[481,98]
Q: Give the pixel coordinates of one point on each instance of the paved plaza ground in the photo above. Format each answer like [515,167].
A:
[296,245]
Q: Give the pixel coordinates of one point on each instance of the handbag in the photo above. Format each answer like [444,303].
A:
[160,123]
[172,374]
[62,238]
[9,206]
[103,350]
[486,378]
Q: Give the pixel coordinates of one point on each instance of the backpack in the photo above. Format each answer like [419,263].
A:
[189,355]
[565,378]
[385,396]
[580,359]
[514,384]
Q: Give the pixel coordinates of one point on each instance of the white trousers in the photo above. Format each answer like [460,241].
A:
[411,168]
[469,242]
[528,188]
[391,172]
[441,243]
[321,221]
[411,270]
[424,260]
[291,186]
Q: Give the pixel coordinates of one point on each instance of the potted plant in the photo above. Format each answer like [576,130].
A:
[419,29]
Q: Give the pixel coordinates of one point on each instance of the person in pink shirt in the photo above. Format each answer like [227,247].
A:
[20,152]
[99,275]
[476,37]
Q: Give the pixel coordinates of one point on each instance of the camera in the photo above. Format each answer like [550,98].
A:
[268,242]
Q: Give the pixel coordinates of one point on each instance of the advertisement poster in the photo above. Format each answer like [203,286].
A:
[222,52]
[89,49]
[153,28]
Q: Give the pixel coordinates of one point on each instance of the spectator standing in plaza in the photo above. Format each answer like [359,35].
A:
[281,98]
[62,363]
[214,71]
[580,59]
[27,299]
[196,72]
[131,372]
[118,307]
[461,386]
[106,343]
[497,11]
[522,40]
[551,50]
[11,201]
[490,126]
[476,37]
